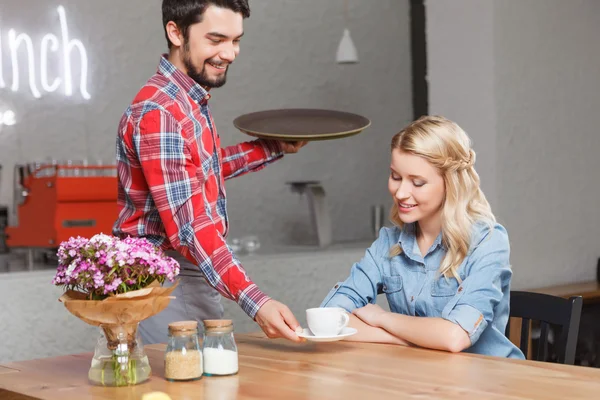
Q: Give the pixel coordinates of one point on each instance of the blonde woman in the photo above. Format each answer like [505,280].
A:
[444,267]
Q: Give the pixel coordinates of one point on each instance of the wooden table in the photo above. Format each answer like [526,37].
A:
[589,290]
[277,369]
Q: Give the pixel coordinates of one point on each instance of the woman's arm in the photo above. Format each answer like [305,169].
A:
[364,282]
[368,333]
[429,332]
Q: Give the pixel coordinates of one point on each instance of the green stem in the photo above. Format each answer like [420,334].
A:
[133,378]
[116,370]
[124,373]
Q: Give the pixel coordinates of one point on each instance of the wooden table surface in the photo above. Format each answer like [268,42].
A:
[277,369]
[589,290]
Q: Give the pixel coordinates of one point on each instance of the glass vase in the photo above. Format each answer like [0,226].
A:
[119,358]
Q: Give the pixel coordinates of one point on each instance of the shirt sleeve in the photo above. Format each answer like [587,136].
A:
[249,157]
[364,282]
[474,304]
[176,187]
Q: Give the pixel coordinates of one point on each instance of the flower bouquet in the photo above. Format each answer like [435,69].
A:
[114,284]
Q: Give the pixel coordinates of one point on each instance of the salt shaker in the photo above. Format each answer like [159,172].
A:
[219,350]
[183,357]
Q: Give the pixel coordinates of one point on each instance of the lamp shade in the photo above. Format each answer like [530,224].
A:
[346,52]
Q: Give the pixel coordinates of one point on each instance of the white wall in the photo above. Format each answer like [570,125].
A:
[548,98]
[287,60]
[460,59]
[522,78]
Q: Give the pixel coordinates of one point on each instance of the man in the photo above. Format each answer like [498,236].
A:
[172,169]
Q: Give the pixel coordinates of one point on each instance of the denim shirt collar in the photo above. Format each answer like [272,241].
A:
[409,245]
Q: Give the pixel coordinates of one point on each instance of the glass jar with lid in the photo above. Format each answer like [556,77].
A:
[183,356]
[219,350]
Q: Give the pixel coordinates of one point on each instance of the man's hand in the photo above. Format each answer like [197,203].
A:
[370,314]
[277,321]
[292,147]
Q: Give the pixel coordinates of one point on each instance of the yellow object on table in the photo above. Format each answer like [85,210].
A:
[156,396]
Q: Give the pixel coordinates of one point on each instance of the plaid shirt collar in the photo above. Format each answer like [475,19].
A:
[179,78]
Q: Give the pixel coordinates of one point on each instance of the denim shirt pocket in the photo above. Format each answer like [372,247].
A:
[442,290]
[392,287]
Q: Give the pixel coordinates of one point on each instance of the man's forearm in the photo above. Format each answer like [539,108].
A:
[249,157]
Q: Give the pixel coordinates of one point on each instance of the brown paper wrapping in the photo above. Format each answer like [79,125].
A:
[118,312]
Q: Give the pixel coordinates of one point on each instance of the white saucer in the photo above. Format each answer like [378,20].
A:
[308,335]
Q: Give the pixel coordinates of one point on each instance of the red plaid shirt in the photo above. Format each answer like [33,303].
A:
[171,172]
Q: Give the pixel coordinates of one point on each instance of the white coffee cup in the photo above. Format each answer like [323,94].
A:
[327,321]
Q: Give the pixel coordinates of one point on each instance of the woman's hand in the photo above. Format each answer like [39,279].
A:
[370,314]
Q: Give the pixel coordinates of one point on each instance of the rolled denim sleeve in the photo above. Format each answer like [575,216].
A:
[474,305]
[364,282]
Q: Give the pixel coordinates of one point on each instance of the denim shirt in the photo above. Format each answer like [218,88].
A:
[413,285]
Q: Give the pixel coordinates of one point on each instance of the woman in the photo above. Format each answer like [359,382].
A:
[444,267]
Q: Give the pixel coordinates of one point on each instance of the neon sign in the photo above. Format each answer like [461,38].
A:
[51,46]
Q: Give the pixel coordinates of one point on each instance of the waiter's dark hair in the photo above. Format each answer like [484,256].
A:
[186,13]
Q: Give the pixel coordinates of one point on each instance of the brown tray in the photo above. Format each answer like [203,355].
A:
[301,124]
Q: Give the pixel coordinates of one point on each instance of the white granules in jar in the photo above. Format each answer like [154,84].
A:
[183,365]
[220,361]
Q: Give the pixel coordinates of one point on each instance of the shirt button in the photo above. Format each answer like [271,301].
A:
[412,298]
[460,289]
[384,288]
[207,97]
[336,286]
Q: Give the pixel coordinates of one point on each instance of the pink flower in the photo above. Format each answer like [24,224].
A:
[105,265]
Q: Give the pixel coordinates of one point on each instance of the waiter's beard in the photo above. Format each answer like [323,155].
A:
[200,75]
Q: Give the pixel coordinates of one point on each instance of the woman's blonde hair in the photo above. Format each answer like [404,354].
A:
[448,148]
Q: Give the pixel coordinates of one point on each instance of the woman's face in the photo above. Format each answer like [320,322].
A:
[417,188]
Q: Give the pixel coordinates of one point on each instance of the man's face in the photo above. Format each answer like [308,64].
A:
[212,45]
